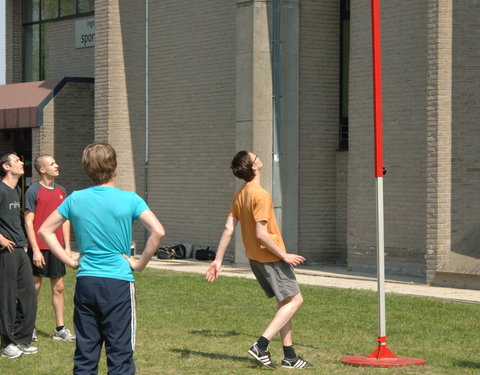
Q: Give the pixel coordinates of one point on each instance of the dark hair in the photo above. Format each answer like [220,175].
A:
[99,162]
[5,158]
[242,166]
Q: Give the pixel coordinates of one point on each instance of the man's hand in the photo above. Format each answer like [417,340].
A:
[74,264]
[213,271]
[131,260]
[293,259]
[38,259]
[5,243]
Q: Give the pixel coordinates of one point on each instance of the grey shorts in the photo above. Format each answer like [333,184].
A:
[276,278]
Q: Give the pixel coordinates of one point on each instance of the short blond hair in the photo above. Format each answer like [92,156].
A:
[38,162]
[99,162]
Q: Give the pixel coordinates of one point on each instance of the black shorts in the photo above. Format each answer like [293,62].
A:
[53,267]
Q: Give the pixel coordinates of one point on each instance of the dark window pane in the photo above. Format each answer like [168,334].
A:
[67,8]
[31,10]
[85,6]
[44,51]
[49,9]
[31,53]
[345,66]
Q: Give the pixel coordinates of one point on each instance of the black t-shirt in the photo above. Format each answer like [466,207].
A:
[10,210]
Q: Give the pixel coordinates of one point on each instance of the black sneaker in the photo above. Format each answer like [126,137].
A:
[262,356]
[298,362]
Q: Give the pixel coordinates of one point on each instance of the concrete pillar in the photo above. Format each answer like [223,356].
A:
[439,135]
[254,107]
[112,118]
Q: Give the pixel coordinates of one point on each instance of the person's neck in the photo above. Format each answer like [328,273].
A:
[256,179]
[47,181]
[110,183]
[11,180]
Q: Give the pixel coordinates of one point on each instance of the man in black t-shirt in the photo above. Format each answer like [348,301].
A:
[18,301]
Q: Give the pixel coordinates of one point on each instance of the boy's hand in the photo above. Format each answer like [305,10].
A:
[213,271]
[131,260]
[293,259]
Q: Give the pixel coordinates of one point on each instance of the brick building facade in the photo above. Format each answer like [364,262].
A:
[211,92]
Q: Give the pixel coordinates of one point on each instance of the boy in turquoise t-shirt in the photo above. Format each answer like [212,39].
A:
[102,217]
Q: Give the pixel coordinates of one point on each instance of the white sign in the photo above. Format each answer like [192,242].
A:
[85,33]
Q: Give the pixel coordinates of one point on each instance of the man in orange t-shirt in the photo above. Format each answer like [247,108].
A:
[269,260]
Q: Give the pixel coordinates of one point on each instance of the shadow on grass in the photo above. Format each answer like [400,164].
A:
[43,334]
[186,353]
[467,364]
[217,333]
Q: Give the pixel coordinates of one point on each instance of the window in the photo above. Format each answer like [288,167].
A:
[49,9]
[31,53]
[85,6]
[68,7]
[37,14]
[344,73]
[31,11]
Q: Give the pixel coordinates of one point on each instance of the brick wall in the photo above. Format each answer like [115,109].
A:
[13,36]
[67,128]
[63,58]
[405,72]
[192,137]
[465,115]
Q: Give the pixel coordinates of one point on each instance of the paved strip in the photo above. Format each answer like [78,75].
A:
[333,277]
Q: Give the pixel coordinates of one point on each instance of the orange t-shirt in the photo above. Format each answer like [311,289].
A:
[251,203]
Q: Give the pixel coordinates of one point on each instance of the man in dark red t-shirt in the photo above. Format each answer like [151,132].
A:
[41,199]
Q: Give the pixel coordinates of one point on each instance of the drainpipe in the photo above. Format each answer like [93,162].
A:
[147,119]
[276,46]
[147,130]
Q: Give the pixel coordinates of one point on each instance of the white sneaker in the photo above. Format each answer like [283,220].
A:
[11,351]
[34,335]
[63,335]
[27,349]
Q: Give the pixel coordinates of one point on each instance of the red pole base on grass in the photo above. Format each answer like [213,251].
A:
[381,357]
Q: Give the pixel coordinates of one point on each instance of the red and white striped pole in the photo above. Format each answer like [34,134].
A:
[381,356]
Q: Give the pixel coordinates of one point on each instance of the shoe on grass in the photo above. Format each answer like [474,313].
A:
[262,356]
[34,335]
[11,351]
[27,349]
[298,363]
[64,335]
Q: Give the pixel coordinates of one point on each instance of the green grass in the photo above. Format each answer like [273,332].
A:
[187,326]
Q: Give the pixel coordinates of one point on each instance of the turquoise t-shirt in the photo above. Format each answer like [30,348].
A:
[102,217]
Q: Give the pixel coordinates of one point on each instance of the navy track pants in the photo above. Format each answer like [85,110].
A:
[104,312]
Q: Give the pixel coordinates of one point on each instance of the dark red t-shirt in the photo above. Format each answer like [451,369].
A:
[42,202]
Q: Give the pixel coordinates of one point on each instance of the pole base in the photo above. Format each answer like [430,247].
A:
[381,357]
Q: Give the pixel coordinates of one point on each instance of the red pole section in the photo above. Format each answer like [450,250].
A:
[377,88]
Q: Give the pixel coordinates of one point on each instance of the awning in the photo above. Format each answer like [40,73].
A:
[21,104]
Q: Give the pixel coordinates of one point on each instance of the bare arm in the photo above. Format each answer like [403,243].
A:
[213,270]
[66,237]
[38,259]
[155,228]
[47,234]
[266,240]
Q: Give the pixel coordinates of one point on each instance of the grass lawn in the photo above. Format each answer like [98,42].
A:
[187,326]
